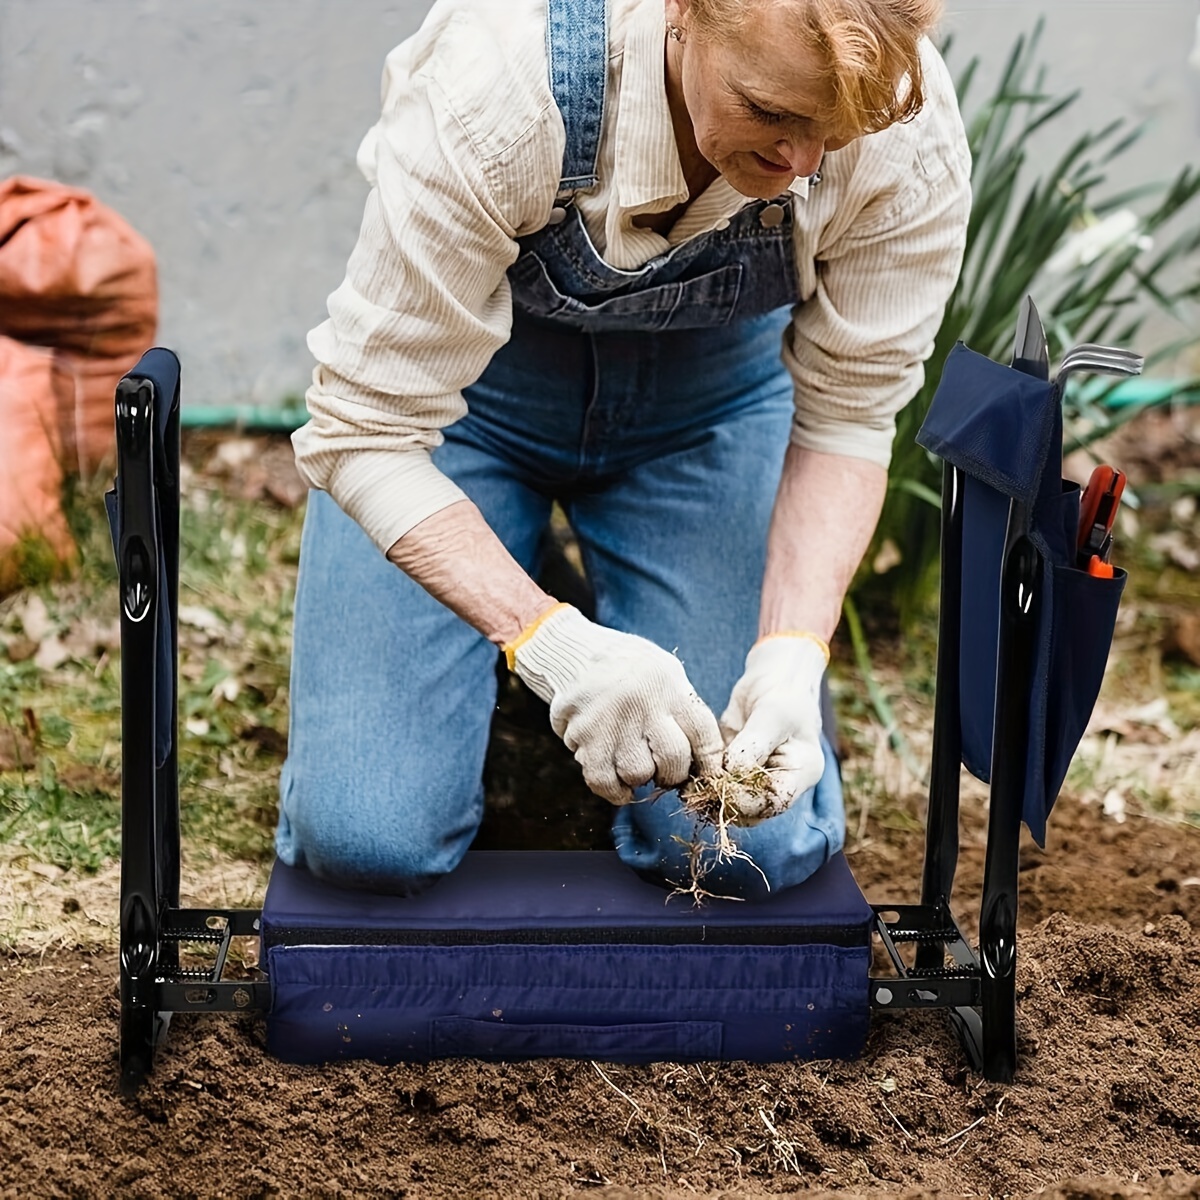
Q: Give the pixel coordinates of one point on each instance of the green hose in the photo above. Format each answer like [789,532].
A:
[251,418]
[1147,393]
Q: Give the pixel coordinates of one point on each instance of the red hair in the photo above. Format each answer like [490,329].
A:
[870,50]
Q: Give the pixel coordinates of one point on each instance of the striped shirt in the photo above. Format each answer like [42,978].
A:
[466,158]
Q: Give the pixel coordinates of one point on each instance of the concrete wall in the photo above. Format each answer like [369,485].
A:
[225,131]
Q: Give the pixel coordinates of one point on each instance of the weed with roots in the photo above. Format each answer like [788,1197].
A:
[712,800]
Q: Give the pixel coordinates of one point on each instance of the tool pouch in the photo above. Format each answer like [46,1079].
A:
[1003,430]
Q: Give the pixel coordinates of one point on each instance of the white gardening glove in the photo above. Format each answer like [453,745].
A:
[774,720]
[623,706]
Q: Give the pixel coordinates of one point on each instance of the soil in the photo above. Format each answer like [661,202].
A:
[1106,1103]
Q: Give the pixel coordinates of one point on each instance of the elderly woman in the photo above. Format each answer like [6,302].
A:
[676,268]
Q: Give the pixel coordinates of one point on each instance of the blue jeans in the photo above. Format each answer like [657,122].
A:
[665,452]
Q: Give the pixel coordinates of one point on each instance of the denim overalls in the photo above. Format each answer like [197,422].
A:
[653,406]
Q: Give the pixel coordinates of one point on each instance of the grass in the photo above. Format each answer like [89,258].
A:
[60,802]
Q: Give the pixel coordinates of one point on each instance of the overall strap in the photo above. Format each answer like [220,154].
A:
[577,52]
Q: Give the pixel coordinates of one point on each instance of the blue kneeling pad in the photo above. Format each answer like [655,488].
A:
[531,954]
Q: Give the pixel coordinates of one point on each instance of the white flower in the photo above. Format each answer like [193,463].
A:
[1083,247]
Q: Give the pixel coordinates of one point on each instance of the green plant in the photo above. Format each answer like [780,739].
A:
[1016,231]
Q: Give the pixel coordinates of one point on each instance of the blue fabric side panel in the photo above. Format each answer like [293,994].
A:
[771,1003]
[1075,626]
[1077,617]
[985,522]
[993,423]
[1055,524]
[577,51]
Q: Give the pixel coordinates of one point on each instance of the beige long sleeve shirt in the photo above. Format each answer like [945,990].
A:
[466,158]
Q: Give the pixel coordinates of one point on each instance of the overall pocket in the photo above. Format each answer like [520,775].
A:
[701,302]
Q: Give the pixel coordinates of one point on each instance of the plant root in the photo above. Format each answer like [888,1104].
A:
[711,800]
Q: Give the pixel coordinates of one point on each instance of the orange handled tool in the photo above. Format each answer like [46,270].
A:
[1097,513]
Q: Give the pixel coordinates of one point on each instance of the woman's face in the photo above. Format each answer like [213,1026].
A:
[753,99]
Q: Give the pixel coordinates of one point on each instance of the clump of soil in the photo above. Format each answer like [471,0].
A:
[720,799]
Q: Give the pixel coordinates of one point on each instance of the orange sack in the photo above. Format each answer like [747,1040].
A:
[77,279]
[78,306]
[33,530]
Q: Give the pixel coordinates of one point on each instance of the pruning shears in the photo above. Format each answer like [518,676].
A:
[1097,513]
[1031,355]
[1102,496]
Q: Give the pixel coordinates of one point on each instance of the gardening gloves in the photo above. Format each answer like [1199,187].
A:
[623,706]
[774,720]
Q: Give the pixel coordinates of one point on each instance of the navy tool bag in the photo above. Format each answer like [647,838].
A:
[1003,430]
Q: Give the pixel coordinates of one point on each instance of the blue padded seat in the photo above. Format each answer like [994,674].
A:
[566,954]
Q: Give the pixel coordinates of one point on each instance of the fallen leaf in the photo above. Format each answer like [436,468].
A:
[198,617]
[51,653]
[90,637]
[34,617]
[85,778]
[889,556]
[1183,637]
[268,739]
[233,453]
[1145,723]
[1114,805]
[1178,548]
[258,469]
[1183,510]
[283,482]
[16,750]
[1155,713]
[20,648]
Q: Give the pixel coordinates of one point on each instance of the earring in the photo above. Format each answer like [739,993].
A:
[674,33]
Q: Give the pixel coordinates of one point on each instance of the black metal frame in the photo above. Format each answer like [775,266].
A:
[153,925]
[979,992]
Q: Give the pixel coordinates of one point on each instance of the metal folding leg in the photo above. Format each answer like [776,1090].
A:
[931,926]
[153,926]
[979,992]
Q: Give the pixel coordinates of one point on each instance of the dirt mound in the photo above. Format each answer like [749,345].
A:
[1108,1096]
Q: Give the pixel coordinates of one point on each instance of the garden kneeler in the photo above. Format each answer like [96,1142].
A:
[518,955]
